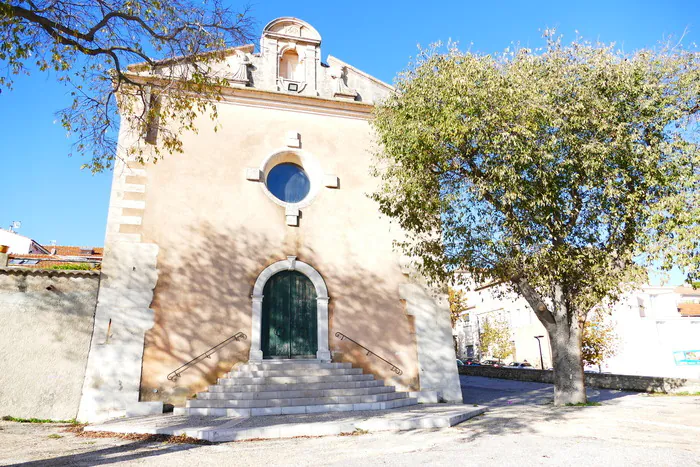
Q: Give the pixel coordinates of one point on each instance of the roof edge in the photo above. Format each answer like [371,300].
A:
[331,58]
[268,26]
[268,95]
[250,48]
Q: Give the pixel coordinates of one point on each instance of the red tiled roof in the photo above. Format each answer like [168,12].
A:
[54,257]
[685,290]
[65,250]
[42,264]
[45,261]
[689,309]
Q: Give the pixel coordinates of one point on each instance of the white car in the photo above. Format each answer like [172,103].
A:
[521,366]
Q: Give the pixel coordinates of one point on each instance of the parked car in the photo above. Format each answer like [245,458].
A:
[471,362]
[459,363]
[521,366]
[493,363]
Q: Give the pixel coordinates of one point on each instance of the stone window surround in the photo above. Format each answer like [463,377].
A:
[302,158]
[290,264]
[294,154]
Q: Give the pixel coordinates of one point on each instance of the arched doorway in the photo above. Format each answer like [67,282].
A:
[260,291]
[289,317]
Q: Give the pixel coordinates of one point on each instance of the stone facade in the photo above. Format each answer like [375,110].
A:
[191,240]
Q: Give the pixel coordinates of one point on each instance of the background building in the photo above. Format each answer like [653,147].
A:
[658,330]
[19,244]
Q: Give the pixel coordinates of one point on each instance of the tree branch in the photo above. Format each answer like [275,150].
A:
[534,300]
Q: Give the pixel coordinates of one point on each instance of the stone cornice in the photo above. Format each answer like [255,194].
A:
[284,101]
[298,103]
[285,37]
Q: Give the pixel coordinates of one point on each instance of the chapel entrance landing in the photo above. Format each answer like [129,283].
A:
[289,317]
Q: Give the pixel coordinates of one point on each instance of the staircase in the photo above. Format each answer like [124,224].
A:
[285,387]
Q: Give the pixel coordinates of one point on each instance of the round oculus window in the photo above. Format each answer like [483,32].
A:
[288,182]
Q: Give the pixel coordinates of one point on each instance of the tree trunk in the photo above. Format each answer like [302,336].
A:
[564,332]
[569,385]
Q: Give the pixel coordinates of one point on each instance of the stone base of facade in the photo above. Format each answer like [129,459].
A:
[436,355]
[140,409]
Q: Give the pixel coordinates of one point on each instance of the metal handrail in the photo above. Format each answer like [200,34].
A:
[174,375]
[394,368]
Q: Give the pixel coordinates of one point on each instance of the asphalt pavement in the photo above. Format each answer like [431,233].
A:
[502,392]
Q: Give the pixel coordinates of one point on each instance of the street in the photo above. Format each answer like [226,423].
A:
[521,427]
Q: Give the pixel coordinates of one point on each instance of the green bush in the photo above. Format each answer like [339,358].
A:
[73,267]
[9,418]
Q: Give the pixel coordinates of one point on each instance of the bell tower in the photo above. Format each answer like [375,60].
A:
[291,52]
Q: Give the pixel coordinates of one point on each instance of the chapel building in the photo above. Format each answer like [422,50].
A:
[259,250]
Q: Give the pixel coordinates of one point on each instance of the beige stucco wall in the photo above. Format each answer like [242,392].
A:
[46,322]
[216,232]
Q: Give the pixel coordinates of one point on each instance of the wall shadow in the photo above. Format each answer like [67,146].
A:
[517,405]
[112,455]
[203,296]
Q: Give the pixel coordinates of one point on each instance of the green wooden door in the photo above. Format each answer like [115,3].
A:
[289,316]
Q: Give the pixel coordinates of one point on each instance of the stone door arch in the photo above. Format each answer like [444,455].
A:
[290,264]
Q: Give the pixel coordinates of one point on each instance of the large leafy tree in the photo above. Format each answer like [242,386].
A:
[558,172]
[495,338]
[88,45]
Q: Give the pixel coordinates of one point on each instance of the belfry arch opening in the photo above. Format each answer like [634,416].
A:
[290,66]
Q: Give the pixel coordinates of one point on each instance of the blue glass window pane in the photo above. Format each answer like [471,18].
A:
[288,182]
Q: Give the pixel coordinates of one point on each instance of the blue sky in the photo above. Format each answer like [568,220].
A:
[46,190]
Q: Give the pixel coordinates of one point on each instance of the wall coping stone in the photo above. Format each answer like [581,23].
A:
[663,384]
[46,272]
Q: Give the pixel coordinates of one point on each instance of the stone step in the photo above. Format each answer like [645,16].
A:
[294,387]
[295,409]
[293,372]
[288,394]
[295,379]
[251,403]
[275,365]
[230,386]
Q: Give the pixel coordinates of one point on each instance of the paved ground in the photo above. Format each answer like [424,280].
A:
[521,427]
[221,429]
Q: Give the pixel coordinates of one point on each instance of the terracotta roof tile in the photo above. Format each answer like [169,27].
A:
[66,250]
[45,261]
[689,309]
[685,290]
